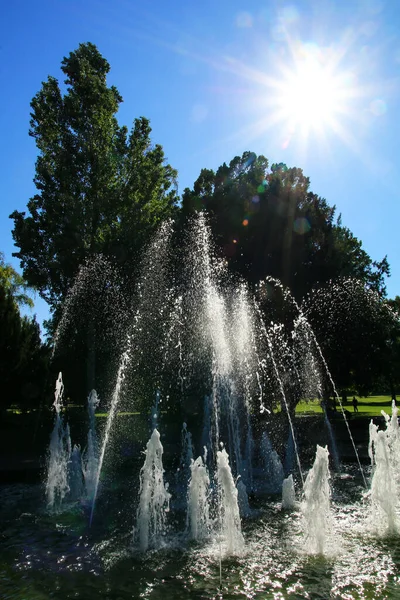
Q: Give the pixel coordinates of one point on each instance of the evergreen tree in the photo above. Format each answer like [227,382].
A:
[97,187]
[100,189]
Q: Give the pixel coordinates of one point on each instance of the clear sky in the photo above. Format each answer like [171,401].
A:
[313,83]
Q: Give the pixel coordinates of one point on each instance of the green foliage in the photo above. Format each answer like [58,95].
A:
[392,366]
[14,284]
[268,222]
[354,327]
[99,190]
[23,358]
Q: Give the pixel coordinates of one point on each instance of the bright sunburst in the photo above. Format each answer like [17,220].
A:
[313,96]
[310,97]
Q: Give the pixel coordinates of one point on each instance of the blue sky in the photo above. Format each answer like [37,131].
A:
[217,78]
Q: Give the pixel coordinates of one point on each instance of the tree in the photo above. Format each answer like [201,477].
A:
[392,365]
[13,283]
[23,357]
[99,190]
[268,222]
[357,332]
[95,184]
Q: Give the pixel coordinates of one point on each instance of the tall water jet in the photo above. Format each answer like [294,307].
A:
[340,310]
[198,501]
[316,504]
[110,419]
[153,497]
[290,453]
[210,332]
[59,454]
[246,361]
[304,323]
[383,451]
[229,516]
[90,456]
[224,401]
[308,361]
[151,306]
[278,377]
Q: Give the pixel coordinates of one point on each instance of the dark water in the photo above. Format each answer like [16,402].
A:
[57,556]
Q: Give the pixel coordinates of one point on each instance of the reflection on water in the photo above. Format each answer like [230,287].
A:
[56,556]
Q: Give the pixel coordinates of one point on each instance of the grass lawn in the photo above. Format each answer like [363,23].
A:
[118,414]
[367,407]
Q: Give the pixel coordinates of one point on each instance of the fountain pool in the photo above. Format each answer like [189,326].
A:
[57,556]
[184,500]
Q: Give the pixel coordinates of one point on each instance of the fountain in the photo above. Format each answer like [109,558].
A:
[200,346]
[198,511]
[228,508]
[384,448]
[57,486]
[316,504]
[153,497]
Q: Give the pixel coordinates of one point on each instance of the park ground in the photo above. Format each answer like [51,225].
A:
[370,406]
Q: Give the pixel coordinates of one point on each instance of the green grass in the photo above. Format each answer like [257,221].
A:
[367,407]
[120,414]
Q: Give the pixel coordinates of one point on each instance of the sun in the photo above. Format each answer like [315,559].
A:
[308,94]
[311,97]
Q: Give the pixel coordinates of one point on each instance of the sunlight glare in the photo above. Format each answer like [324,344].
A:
[310,97]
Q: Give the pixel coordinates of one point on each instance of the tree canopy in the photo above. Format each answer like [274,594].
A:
[268,222]
[99,188]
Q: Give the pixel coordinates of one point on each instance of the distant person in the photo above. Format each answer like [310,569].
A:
[355,404]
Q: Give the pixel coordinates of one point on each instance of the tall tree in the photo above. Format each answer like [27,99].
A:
[94,182]
[100,190]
